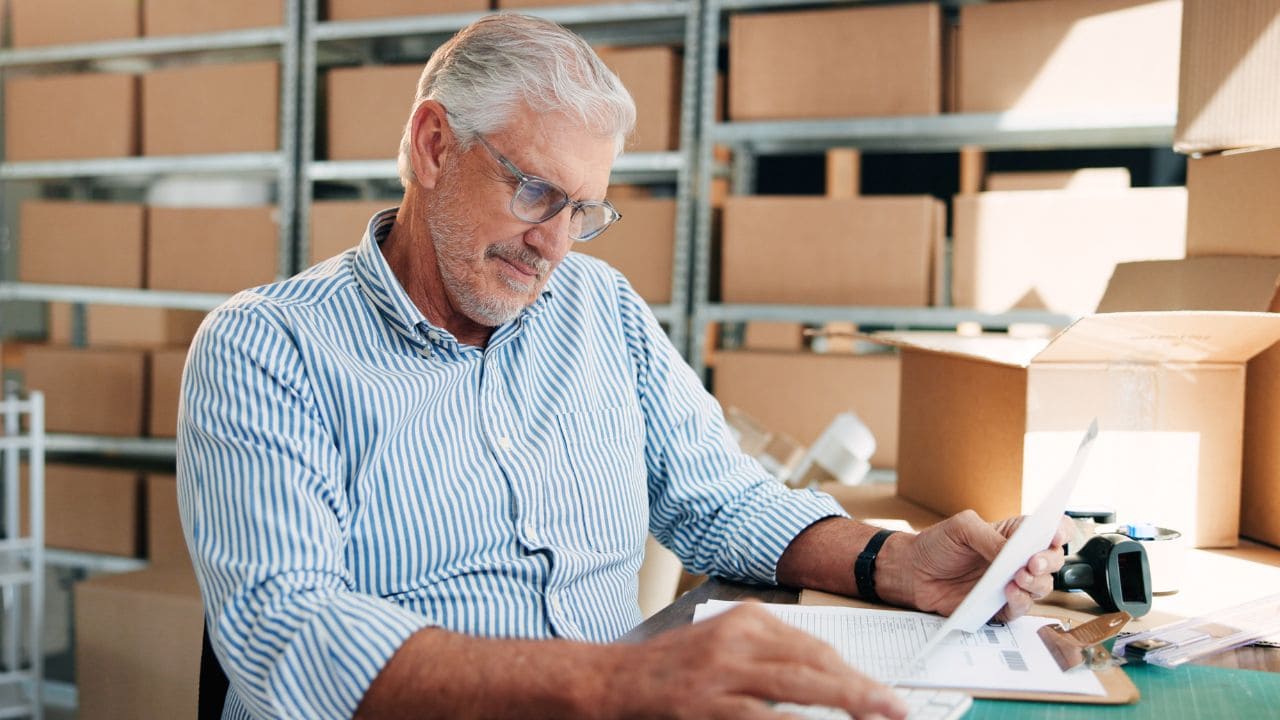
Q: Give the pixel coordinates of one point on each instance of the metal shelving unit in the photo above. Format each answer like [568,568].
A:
[933,133]
[630,23]
[82,176]
[22,559]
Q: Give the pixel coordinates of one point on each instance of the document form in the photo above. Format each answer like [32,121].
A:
[883,644]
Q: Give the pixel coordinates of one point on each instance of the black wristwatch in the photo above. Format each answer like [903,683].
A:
[864,568]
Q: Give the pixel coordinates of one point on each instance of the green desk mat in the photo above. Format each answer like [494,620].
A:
[1191,691]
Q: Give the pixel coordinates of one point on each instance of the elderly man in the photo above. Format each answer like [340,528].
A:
[416,479]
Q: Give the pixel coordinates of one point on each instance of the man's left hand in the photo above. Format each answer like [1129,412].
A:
[947,560]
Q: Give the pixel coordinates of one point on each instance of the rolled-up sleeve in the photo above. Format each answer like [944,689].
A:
[716,508]
[263,505]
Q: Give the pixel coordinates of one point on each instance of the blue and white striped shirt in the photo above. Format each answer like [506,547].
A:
[349,474]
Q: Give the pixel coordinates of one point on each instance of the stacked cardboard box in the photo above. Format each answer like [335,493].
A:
[122,325]
[338,225]
[189,17]
[1068,55]
[355,131]
[1228,96]
[1055,249]
[217,250]
[90,509]
[80,243]
[365,9]
[1229,112]
[870,250]
[64,117]
[91,391]
[166,544]
[652,75]
[138,644]
[67,22]
[868,61]
[220,108]
[641,245]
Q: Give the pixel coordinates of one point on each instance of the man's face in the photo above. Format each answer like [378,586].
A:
[492,264]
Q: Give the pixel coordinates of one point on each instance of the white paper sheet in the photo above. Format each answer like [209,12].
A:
[1033,535]
[883,644]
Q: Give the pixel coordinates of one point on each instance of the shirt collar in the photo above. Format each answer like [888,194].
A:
[383,289]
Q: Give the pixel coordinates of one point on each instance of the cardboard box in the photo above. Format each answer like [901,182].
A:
[72,116]
[72,22]
[223,108]
[189,17]
[991,423]
[1232,206]
[1082,179]
[166,544]
[653,77]
[90,391]
[863,61]
[1069,55]
[166,382]
[211,249]
[81,243]
[124,325]
[339,225]
[1230,283]
[832,251]
[787,336]
[355,133]
[641,245]
[513,4]
[800,393]
[1228,96]
[138,644]
[1260,486]
[89,509]
[1055,250]
[364,9]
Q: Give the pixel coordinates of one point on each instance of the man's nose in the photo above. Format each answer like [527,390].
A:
[551,237]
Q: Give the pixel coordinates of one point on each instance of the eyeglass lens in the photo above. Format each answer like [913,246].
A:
[537,200]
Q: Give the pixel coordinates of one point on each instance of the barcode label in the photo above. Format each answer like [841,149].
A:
[1013,659]
[990,635]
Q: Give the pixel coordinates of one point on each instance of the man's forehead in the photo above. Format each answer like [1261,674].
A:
[558,149]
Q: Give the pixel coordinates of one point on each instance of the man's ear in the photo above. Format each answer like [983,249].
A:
[431,137]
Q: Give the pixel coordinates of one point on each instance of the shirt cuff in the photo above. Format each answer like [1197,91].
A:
[763,534]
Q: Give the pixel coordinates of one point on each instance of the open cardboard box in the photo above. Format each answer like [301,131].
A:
[990,423]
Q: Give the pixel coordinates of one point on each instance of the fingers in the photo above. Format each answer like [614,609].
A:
[784,664]
[1066,530]
[842,688]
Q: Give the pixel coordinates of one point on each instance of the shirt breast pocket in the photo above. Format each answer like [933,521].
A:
[605,453]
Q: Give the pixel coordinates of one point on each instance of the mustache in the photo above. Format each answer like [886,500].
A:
[521,255]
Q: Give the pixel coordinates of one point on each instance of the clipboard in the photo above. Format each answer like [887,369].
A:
[1120,690]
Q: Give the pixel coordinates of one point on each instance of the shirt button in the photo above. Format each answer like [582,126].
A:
[433,336]
[426,351]
[505,443]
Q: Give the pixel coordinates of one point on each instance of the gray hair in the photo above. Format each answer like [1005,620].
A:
[485,72]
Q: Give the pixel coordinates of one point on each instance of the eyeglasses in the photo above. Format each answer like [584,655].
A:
[537,200]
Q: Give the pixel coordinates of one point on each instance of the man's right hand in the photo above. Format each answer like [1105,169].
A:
[736,666]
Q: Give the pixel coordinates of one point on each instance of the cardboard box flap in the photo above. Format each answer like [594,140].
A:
[1164,337]
[1000,349]
[1202,283]
[1136,337]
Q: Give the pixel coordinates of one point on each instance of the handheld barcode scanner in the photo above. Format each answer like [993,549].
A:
[1113,570]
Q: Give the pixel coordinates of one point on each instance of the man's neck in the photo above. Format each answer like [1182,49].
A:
[411,256]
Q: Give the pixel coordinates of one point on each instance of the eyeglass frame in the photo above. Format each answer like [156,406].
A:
[524,178]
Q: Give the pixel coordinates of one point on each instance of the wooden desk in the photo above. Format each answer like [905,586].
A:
[1212,580]
[680,613]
